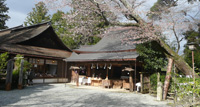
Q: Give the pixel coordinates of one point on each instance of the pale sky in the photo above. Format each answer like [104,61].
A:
[18,10]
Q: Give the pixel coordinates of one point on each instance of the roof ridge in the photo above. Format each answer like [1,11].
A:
[22,27]
[19,26]
[35,25]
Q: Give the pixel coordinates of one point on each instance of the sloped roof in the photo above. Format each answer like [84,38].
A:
[111,42]
[35,51]
[20,34]
[109,48]
[11,38]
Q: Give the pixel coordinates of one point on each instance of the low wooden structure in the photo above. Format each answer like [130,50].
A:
[145,82]
[41,47]
[105,61]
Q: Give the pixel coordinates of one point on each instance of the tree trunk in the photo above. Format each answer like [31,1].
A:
[178,60]
[167,78]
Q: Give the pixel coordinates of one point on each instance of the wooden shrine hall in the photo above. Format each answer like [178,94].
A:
[41,47]
[105,63]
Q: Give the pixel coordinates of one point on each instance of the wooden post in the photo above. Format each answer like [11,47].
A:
[142,82]
[131,81]
[107,74]
[88,71]
[135,75]
[20,81]
[77,81]
[9,75]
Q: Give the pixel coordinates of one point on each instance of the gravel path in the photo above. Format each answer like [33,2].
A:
[51,95]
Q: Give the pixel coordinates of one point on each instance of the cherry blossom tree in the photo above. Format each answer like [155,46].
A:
[125,13]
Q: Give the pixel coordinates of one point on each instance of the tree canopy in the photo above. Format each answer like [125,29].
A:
[38,15]
[3,60]
[3,16]
[193,36]
[64,29]
[152,58]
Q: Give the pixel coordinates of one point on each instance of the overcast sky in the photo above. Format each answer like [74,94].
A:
[18,10]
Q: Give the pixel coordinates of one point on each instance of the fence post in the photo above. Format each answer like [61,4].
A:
[9,75]
[20,82]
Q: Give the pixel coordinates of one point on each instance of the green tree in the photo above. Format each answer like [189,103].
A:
[3,60]
[38,15]
[59,23]
[3,17]
[152,56]
[17,68]
[63,29]
[193,36]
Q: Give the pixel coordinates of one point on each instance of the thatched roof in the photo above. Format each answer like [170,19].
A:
[38,40]
[109,48]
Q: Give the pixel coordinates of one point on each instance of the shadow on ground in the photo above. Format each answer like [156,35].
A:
[15,95]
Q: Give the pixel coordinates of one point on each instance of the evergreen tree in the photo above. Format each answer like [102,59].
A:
[152,56]
[193,36]
[64,29]
[3,17]
[38,15]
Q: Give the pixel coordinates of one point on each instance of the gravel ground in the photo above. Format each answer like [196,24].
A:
[51,95]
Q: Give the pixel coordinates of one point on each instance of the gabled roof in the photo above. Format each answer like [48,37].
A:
[111,42]
[109,48]
[21,34]
[21,38]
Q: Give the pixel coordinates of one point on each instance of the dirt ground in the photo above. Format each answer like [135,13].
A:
[68,95]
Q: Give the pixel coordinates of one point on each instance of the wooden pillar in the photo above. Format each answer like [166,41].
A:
[66,70]
[9,75]
[88,71]
[77,81]
[131,81]
[20,81]
[107,74]
[142,82]
[135,75]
